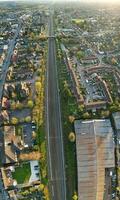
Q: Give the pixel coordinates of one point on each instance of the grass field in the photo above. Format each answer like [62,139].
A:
[22,173]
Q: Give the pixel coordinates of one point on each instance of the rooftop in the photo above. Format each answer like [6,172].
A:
[95,152]
[116,117]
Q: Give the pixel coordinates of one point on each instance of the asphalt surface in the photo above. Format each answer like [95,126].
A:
[54,128]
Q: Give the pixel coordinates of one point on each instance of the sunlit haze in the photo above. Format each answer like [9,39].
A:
[83,1]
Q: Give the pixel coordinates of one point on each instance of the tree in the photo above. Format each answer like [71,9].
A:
[32,189]
[32,36]
[38,72]
[28,119]
[34,134]
[30,104]
[105,113]
[13,95]
[46,192]
[44,172]
[71,119]
[13,105]
[80,54]
[35,147]
[81,108]
[41,187]
[75,197]
[19,105]
[113,108]
[67,91]
[38,86]
[71,137]
[114,61]
[25,193]
[14,120]
[86,115]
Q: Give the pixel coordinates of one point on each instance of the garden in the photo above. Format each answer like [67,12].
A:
[22,173]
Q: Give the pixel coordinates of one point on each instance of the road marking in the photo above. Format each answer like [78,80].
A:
[56,137]
[53,191]
[57,179]
[63,185]
[50,164]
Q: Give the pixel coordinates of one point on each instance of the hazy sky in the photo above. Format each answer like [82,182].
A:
[102,1]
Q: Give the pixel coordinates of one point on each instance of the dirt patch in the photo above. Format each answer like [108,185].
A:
[30,156]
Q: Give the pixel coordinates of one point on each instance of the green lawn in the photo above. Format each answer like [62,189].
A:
[69,148]
[22,173]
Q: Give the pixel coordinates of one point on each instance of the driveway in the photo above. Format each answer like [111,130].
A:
[20,114]
[34,171]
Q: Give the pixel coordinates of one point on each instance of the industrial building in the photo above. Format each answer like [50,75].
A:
[95,154]
[116,118]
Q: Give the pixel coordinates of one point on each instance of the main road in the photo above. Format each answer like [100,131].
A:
[57,183]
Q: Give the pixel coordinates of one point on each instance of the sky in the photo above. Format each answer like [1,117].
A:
[96,1]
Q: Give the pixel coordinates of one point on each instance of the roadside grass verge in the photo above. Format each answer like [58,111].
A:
[68,107]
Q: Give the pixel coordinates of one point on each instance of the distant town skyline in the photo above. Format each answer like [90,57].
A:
[83,1]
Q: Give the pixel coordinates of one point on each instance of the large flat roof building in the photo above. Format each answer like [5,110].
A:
[116,117]
[95,153]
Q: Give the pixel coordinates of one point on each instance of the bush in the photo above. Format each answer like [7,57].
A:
[71,137]
[35,148]
[28,119]
[41,187]
[19,106]
[38,86]
[30,104]
[71,119]
[14,120]
[13,105]
[75,197]
[86,115]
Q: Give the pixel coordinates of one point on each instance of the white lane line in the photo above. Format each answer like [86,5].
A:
[53,191]
[51,175]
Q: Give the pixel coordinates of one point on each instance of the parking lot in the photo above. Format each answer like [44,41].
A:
[93,89]
[27,134]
